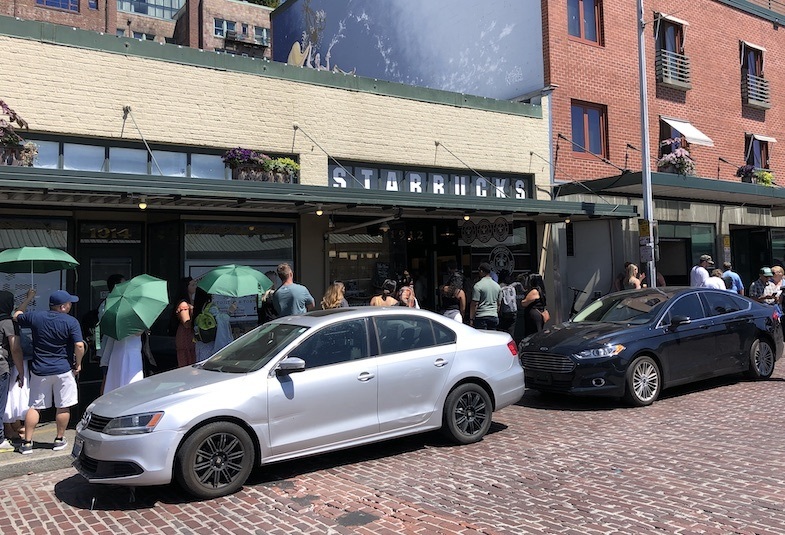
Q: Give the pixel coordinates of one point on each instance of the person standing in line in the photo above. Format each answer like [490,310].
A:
[699,272]
[484,308]
[385,299]
[778,278]
[631,280]
[762,289]
[203,301]
[736,283]
[291,298]
[58,350]
[533,304]
[406,297]
[10,353]
[19,393]
[335,296]
[264,304]
[104,343]
[453,297]
[715,280]
[184,314]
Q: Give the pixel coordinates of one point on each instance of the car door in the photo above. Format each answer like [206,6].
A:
[333,400]
[734,315]
[415,359]
[688,350]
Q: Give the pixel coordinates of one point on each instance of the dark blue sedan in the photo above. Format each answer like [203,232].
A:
[632,344]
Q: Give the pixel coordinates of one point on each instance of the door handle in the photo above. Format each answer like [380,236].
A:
[365,376]
[440,362]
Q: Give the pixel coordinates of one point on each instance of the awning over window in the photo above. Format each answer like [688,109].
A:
[690,133]
[670,18]
[764,138]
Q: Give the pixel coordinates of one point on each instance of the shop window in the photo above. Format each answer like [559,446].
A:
[371,250]
[48,154]
[589,128]
[68,5]
[756,152]
[83,157]
[207,166]
[584,20]
[132,161]
[170,163]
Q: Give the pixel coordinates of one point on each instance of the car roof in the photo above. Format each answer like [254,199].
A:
[323,317]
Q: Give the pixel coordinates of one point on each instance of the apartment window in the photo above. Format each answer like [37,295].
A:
[670,37]
[756,151]
[222,26]
[260,34]
[120,32]
[145,36]
[92,4]
[589,128]
[68,5]
[584,20]
[162,9]
[671,139]
[752,60]
[245,29]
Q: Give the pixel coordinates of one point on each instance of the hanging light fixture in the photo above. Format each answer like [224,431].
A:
[319,210]
[142,202]
[466,217]
[384,227]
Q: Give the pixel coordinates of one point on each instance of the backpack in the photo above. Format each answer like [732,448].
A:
[509,303]
[205,326]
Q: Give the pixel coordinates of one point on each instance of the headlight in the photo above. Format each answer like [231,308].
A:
[603,352]
[134,424]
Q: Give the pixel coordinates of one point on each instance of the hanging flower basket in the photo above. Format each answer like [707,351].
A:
[247,164]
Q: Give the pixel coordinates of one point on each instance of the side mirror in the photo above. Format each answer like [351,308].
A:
[290,365]
[679,320]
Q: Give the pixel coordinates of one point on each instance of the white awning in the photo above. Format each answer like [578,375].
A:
[690,133]
[764,138]
[670,18]
[750,45]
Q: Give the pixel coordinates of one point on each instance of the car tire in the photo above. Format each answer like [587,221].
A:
[215,460]
[761,360]
[643,382]
[467,414]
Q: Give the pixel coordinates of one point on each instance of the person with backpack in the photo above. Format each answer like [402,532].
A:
[212,328]
[508,305]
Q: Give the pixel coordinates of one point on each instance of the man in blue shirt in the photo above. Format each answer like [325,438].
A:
[58,349]
[734,277]
[291,299]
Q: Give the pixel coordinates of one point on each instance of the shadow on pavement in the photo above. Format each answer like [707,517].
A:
[77,492]
[564,402]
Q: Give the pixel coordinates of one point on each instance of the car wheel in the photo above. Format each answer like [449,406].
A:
[761,360]
[644,382]
[215,460]
[467,414]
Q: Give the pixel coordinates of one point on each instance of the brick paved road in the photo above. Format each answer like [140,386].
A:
[705,459]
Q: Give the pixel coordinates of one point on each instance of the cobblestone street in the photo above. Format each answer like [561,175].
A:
[704,459]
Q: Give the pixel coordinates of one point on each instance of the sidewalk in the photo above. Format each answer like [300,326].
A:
[42,459]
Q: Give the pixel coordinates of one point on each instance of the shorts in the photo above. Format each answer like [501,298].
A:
[62,387]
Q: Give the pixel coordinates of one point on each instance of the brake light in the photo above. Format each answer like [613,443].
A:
[513,348]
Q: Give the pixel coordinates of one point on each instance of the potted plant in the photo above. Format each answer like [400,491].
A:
[678,161]
[11,143]
[764,177]
[283,169]
[746,172]
[246,164]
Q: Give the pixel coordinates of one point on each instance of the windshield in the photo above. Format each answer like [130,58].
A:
[255,349]
[626,307]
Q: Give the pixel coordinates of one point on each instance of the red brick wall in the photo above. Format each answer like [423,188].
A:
[239,12]
[99,20]
[608,75]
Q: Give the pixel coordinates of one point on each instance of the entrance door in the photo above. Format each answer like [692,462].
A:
[104,249]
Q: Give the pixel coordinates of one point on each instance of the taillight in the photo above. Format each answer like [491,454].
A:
[513,348]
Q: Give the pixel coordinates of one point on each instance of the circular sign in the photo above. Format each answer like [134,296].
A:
[501,229]
[468,232]
[501,259]
[484,231]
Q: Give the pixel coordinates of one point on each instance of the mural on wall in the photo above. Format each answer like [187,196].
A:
[492,49]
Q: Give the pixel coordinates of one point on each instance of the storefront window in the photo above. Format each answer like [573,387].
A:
[83,157]
[506,245]
[360,259]
[261,246]
[133,161]
[171,163]
[207,166]
[48,154]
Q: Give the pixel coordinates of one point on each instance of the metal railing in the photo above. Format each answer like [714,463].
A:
[672,69]
[755,91]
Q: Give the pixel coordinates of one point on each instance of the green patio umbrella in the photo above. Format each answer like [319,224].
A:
[133,306]
[235,281]
[35,260]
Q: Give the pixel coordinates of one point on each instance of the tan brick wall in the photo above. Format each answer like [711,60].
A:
[76,91]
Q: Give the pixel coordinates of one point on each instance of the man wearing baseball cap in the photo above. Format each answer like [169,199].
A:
[58,349]
[700,272]
[762,289]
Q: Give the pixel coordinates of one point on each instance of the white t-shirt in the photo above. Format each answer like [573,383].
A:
[698,276]
[714,282]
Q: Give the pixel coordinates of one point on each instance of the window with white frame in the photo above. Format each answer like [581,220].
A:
[756,151]
[261,35]
[222,26]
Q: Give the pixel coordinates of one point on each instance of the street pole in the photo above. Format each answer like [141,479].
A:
[647,228]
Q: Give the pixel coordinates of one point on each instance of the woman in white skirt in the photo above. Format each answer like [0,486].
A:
[18,396]
[125,364]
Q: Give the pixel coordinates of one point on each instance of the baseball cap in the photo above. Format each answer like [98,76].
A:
[766,271]
[706,258]
[61,297]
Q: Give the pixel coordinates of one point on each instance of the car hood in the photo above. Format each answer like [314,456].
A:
[568,338]
[160,391]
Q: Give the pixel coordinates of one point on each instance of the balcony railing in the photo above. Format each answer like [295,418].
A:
[755,91]
[673,70]
[247,39]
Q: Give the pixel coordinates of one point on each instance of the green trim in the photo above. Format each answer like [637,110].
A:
[67,36]
[755,10]
[28,178]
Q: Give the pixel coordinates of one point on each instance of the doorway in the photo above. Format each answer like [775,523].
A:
[674,261]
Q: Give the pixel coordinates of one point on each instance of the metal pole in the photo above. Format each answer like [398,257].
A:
[646,242]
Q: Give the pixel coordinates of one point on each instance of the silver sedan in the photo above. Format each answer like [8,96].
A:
[298,386]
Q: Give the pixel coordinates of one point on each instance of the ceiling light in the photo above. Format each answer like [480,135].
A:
[466,217]
[142,202]
[319,210]
[567,221]
[384,227]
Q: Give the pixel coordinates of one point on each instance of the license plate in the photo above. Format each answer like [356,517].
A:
[78,443]
[543,378]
